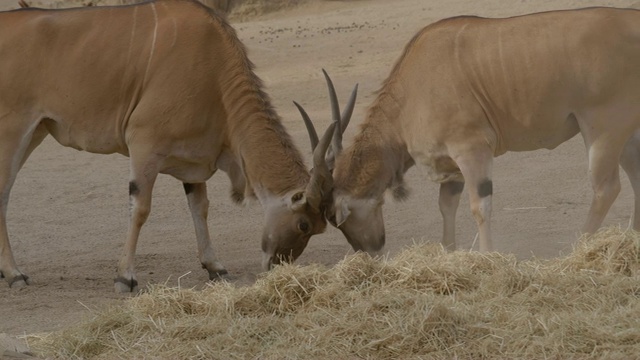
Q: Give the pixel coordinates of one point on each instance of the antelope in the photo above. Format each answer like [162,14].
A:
[468,89]
[168,84]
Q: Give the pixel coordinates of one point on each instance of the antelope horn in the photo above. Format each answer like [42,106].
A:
[348,111]
[336,144]
[321,181]
[313,135]
[341,122]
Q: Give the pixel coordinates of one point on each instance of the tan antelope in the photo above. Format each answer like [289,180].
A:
[168,84]
[468,89]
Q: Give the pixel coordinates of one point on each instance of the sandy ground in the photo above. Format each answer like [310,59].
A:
[68,210]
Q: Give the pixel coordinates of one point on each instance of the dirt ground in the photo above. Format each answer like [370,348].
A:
[68,211]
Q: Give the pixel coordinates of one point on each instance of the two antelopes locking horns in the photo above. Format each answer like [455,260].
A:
[464,91]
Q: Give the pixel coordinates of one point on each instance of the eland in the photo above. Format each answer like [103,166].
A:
[168,84]
[468,89]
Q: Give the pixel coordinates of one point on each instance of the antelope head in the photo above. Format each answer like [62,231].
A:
[359,219]
[299,214]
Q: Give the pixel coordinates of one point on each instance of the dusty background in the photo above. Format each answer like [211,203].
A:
[68,211]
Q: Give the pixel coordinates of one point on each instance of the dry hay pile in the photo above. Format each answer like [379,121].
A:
[424,303]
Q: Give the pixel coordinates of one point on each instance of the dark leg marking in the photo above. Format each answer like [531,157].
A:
[237,196]
[188,188]
[485,188]
[133,188]
[131,284]
[456,187]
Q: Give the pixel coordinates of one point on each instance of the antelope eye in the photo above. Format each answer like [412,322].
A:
[304,227]
[297,197]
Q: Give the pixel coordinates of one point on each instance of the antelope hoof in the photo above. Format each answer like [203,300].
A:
[217,275]
[19,281]
[216,270]
[123,285]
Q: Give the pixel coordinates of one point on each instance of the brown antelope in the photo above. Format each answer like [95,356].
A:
[468,89]
[169,85]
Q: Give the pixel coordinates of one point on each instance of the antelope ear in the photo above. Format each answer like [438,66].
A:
[297,201]
[342,212]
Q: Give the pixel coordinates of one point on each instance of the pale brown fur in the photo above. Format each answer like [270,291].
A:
[378,138]
[354,169]
[168,84]
[272,147]
[468,89]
